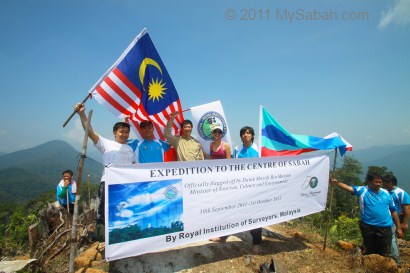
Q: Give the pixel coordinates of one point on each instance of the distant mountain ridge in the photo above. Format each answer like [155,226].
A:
[27,173]
[394,157]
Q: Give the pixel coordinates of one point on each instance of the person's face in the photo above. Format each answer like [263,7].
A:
[147,131]
[388,185]
[246,137]
[121,135]
[375,184]
[67,177]
[217,134]
[187,130]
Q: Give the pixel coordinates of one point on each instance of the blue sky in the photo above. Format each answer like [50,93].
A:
[313,76]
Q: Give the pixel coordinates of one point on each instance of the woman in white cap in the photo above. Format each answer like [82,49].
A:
[219,149]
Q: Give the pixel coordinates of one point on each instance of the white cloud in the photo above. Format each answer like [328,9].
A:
[75,134]
[398,14]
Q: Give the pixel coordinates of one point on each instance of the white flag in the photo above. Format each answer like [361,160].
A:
[207,116]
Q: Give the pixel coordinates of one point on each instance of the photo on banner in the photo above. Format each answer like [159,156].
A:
[144,209]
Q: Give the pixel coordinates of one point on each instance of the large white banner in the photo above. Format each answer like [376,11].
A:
[205,117]
[156,206]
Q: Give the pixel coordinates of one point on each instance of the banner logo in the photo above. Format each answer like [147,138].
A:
[208,122]
[313,182]
[310,181]
[171,192]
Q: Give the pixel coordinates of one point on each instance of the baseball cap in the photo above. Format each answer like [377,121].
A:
[145,123]
[217,127]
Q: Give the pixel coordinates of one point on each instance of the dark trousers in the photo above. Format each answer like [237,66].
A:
[376,240]
[101,205]
[71,209]
[256,236]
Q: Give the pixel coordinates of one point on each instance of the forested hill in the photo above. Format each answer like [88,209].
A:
[27,173]
[394,157]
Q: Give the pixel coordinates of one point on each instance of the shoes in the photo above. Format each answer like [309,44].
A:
[256,249]
[218,240]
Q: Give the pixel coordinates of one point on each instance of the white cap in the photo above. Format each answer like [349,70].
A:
[217,126]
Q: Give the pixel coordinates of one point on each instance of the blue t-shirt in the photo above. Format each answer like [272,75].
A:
[243,152]
[400,198]
[71,194]
[375,207]
[149,151]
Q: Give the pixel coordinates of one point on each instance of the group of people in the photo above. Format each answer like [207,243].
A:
[379,207]
[384,213]
[124,151]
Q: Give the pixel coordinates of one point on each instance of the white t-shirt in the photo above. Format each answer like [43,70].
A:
[114,153]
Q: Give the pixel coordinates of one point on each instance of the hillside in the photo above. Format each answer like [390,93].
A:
[394,157]
[39,168]
[290,249]
[25,174]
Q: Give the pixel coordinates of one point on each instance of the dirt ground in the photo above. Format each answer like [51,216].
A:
[290,249]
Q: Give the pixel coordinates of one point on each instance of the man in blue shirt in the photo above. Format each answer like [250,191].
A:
[376,212]
[66,190]
[149,150]
[402,203]
[249,150]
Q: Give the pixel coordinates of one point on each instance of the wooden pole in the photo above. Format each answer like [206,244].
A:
[89,192]
[68,201]
[73,113]
[77,196]
[330,202]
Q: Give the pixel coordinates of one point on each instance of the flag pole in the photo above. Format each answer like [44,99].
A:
[77,196]
[330,202]
[73,113]
[188,109]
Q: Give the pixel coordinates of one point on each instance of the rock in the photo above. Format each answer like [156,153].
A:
[300,235]
[346,245]
[379,264]
[15,266]
[85,258]
[89,270]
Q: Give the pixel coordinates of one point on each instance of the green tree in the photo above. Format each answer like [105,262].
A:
[344,203]
[379,170]
[346,229]
[16,235]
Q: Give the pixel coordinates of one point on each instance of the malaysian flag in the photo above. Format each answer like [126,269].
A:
[138,87]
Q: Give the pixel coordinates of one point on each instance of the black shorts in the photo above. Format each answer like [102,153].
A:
[376,240]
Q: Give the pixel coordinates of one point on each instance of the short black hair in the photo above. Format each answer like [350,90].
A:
[186,121]
[145,123]
[120,125]
[246,128]
[70,172]
[372,175]
[390,178]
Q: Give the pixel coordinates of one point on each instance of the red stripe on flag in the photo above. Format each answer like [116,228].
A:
[136,126]
[121,93]
[127,82]
[112,101]
[159,131]
[269,152]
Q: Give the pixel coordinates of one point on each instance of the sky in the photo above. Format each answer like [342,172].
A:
[317,66]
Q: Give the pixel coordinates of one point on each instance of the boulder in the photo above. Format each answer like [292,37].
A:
[379,264]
